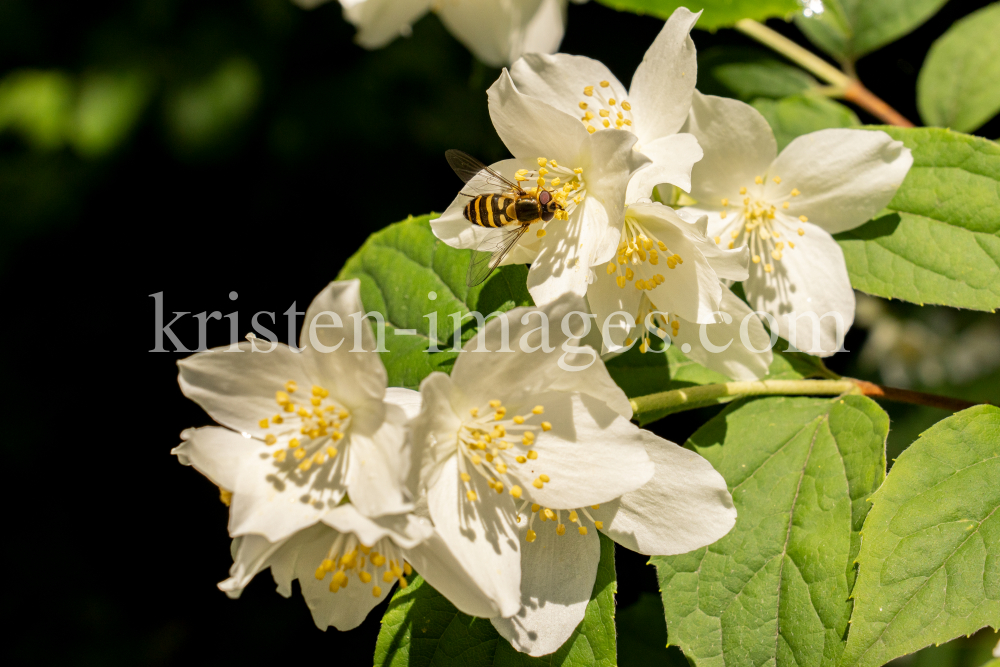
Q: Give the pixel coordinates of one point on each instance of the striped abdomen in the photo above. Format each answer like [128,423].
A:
[491,211]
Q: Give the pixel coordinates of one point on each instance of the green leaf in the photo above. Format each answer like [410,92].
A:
[717,13]
[748,73]
[939,241]
[957,86]
[801,114]
[400,267]
[848,29]
[422,629]
[929,568]
[775,589]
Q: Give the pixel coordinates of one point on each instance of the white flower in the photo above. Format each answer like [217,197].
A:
[588,175]
[654,108]
[785,207]
[509,429]
[668,272]
[349,563]
[307,427]
[496,31]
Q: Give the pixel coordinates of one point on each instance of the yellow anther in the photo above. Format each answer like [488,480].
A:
[541,182]
[588,90]
[605,84]
[305,465]
[756,259]
[591,129]
[546,426]
[532,454]
[791,245]
[725,202]
[365,577]
[269,439]
[743,191]
[495,403]
[598,525]
[474,412]
[388,577]
[489,457]
[530,537]
[407,570]
[768,268]
[573,516]
[540,233]
[777,179]
[315,400]
[795,192]
[538,409]
[785,205]
[327,565]
[776,254]
[300,454]
[620,280]
[331,451]
[606,123]
[544,478]
[337,435]
[319,458]
[501,468]
[561,529]
[803,218]
[758,180]
[225,497]
[376,591]
[471,495]
[629,274]
[378,560]
[538,484]
[281,397]
[542,171]
[541,161]
[280,455]
[801,232]
[302,412]
[582,530]
[465,476]
[520,459]
[365,550]
[723,214]
[528,439]
[476,460]
[611,101]
[604,113]
[291,386]
[515,491]
[549,514]
[500,413]
[730,245]
[640,284]
[264,423]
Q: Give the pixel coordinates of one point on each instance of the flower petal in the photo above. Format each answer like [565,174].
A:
[439,567]
[354,377]
[673,159]
[253,554]
[809,285]
[381,21]
[434,432]
[738,145]
[560,79]
[664,81]
[530,128]
[590,455]
[482,535]
[557,579]
[685,506]
[237,389]
[217,453]
[407,399]
[405,530]
[736,361]
[845,176]
[564,259]
[378,466]
[500,32]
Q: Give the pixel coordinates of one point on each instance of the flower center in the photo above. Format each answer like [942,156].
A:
[306,430]
[493,446]
[348,556]
[637,247]
[604,108]
[567,186]
[760,224]
[556,517]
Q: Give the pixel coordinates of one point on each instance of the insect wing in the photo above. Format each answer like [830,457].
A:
[491,252]
[468,167]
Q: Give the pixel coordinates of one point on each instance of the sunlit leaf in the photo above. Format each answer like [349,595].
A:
[929,566]
[775,589]
[412,278]
[959,84]
[939,241]
[717,13]
[801,114]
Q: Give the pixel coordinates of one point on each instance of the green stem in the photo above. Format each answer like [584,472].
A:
[729,391]
[797,54]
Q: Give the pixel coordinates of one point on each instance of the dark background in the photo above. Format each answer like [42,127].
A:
[264,148]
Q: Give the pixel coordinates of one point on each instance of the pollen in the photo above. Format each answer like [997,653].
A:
[531,536]
[270,439]
[515,491]
[743,190]
[546,426]
[802,232]
[588,91]
[777,179]
[758,180]
[795,192]
[537,410]
[471,495]
[605,84]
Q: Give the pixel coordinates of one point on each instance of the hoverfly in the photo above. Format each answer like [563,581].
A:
[508,209]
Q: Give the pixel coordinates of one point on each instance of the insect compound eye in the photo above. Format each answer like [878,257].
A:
[548,214]
[544,197]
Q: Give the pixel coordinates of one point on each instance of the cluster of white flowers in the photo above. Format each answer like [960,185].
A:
[751,214]
[492,483]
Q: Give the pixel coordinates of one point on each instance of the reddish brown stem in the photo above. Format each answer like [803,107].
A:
[915,397]
[867,100]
